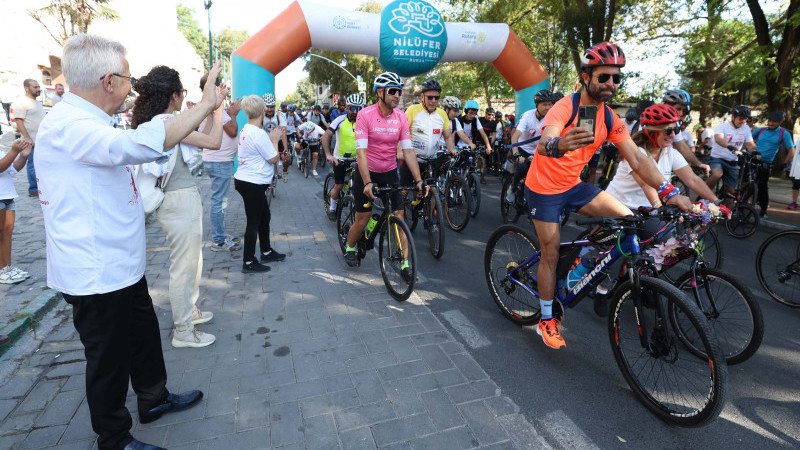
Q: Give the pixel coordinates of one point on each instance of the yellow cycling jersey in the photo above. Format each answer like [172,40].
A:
[426,129]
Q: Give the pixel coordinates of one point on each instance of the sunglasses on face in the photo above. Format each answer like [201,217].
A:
[394,91]
[671,130]
[354,109]
[604,77]
[432,97]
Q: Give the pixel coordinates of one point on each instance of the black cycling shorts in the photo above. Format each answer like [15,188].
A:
[380,179]
[339,172]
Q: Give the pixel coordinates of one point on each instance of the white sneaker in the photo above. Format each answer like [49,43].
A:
[192,338]
[510,196]
[227,246]
[314,172]
[199,317]
[8,276]
[19,271]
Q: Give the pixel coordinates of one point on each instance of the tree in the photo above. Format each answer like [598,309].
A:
[192,32]
[63,19]
[304,94]
[228,40]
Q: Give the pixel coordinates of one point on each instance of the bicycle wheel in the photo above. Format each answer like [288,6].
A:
[743,222]
[778,267]
[306,162]
[396,247]
[345,218]
[475,194]
[675,385]
[411,211]
[327,187]
[435,224]
[729,307]
[508,247]
[508,210]
[456,203]
[711,251]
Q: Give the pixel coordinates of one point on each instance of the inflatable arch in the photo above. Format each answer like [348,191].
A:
[408,37]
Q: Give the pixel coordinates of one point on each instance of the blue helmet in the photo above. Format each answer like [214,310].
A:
[471,104]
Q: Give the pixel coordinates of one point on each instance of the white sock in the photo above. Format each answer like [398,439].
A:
[333,204]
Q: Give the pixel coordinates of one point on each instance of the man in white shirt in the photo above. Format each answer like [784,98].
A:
[94,226]
[729,138]
[529,130]
[28,113]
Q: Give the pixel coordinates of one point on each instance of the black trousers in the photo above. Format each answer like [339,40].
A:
[762,177]
[119,331]
[256,209]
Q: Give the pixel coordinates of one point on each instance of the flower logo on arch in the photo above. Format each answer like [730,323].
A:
[418,16]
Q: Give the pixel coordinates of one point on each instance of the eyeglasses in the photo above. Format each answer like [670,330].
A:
[133,80]
[604,77]
[394,91]
[671,130]
[433,97]
[354,109]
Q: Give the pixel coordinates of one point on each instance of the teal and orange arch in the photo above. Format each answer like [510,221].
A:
[408,37]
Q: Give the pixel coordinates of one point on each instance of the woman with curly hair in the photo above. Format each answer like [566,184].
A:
[161,94]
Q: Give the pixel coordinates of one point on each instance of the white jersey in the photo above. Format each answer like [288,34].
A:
[290,121]
[270,123]
[315,134]
[736,137]
[529,127]
[625,188]
[687,136]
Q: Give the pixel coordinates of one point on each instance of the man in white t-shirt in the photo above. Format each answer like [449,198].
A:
[309,135]
[682,102]
[28,113]
[729,138]
[528,131]
[706,137]
[686,134]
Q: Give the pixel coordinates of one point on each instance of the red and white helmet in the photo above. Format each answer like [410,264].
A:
[659,115]
[603,54]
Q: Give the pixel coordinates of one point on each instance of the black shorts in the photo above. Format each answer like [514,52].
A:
[380,179]
[339,172]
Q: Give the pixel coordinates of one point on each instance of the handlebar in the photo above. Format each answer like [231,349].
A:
[378,190]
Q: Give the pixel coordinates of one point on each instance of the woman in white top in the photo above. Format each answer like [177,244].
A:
[794,174]
[161,94]
[10,164]
[257,158]
[660,124]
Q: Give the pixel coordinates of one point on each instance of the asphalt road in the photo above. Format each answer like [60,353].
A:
[577,396]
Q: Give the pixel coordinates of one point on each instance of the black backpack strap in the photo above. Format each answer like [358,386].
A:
[576,102]
[609,118]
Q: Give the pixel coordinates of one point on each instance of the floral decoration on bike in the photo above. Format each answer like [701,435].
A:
[682,245]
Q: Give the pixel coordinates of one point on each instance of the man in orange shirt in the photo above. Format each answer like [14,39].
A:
[553,184]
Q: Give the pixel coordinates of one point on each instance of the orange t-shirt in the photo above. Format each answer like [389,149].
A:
[556,175]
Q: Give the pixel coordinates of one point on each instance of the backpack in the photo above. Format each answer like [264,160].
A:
[608,116]
[473,125]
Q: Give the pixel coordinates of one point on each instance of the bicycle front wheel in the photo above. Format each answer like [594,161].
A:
[673,383]
[435,224]
[456,203]
[508,248]
[327,187]
[743,222]
[474,185]
[345,218]
[778,267]
[398,258]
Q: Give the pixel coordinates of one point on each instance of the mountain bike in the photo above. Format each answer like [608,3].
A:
[672,381]
[454,196]
[429,209]
[396,245]
[744,217]
[327,186]
[465,166]
[778,267]
[304,162]
[273,186]
[510,211]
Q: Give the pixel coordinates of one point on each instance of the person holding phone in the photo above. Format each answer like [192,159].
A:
[553,183]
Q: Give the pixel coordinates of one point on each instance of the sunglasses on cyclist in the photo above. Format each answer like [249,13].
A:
[433,97]
[604,77]
[671,130]
[354,109]
[394,91]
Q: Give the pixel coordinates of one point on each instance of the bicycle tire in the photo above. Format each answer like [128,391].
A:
[725,311]
[711,372]
[327,187]
[474,184]
[306,162]
[779,270]
[456,203]
[345,218]
[508,211]
[411,215]
[743,222]
[390,258]
[435,224]
[508,246]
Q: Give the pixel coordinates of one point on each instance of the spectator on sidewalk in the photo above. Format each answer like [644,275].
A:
[794,172]
[219,166]
[257,158]
[28,113]
[181,212]
[10,164]
[770,141]
[58,95]
[94,225]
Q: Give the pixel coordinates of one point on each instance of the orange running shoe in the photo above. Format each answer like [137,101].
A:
[548,330]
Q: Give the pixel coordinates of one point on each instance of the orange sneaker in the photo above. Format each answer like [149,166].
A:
[548,330]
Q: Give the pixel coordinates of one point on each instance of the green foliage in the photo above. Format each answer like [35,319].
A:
[304,94]
[63,19]
[228,40]
[192,32]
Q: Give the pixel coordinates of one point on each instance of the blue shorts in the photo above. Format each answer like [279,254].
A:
[7,204]
[551,207]
[730,170]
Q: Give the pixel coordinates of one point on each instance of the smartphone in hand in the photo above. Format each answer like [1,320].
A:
[587,116]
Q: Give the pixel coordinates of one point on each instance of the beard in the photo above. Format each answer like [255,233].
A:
[601,93]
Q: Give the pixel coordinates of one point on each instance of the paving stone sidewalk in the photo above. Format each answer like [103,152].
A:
[311,355]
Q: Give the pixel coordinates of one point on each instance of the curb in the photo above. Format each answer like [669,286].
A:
[34,311]
[776,226]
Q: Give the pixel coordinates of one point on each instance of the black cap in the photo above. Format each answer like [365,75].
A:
[776,116]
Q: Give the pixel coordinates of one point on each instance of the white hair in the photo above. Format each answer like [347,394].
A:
[87,58]
[253,106]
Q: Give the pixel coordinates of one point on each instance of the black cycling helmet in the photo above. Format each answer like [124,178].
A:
[631,115]
[557,96]
[776,116]
[430,85]
[326,106]
[316,108]
[489,111]
[741,111]
[284,104]
[544,96]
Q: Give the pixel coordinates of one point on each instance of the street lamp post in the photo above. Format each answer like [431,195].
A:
[308,53]
[210,42]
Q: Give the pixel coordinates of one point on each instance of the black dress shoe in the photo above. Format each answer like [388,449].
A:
[174,402]
[138,445]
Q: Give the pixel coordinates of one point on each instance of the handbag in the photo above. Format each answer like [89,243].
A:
[151,188]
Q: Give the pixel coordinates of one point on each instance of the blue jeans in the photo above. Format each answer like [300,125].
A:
[221,174]
[32,187]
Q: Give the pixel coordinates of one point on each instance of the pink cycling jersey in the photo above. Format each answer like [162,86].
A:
[380,134]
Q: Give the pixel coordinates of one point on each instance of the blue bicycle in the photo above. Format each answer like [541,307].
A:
[649,320]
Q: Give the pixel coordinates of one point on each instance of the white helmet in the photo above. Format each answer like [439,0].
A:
[451,102]
[387,79]
[355,100]
[307,127]
[269,99]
